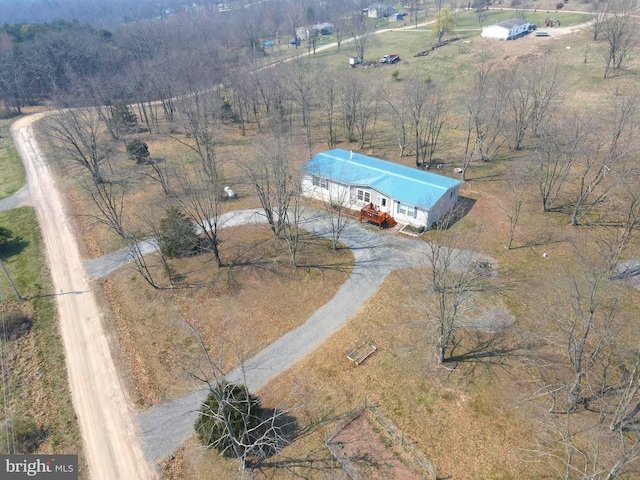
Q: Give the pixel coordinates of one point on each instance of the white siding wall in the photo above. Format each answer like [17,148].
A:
[347,195]
[335,191]
[448,200]
[495,31]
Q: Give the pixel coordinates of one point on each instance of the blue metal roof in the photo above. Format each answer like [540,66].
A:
[405,184]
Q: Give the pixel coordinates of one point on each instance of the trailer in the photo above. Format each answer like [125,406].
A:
[353,61]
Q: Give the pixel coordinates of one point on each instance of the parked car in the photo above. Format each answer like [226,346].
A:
[393,58]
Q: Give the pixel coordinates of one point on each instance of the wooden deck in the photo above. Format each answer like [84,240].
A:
[370,214]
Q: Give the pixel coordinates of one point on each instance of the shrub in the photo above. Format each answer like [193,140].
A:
[138,150]
[25,436]
[235,403]
[123,119]
[559,6]
[13,324]
[177,236]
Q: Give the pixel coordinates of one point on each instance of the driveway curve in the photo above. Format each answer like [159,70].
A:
[166,426]
[21,197]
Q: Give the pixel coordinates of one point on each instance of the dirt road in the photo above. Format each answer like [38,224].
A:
[106,422]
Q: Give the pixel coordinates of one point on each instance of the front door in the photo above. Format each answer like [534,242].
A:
[381,204]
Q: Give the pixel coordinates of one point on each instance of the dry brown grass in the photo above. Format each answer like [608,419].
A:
[238,310]
[467,432]
[470,426]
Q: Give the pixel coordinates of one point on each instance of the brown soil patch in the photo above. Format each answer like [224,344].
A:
[371,453]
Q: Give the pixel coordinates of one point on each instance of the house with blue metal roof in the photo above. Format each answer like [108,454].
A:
[409,195]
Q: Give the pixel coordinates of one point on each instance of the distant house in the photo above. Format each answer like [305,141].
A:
[380,10]
[507,30]
[309,31]
[409,195]
[304,33]
[323,29]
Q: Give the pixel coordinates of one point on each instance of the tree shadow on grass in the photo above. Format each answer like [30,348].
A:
[457,213]
[317,460]
[487,352]
[12,247]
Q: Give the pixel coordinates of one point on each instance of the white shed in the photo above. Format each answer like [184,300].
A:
[380,10]
[507,30]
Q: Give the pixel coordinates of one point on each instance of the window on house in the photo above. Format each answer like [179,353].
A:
[364,196]
[451,194]
[384,202]
[408,210]
[320,182]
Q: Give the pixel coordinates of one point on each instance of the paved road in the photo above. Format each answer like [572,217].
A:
[104,415]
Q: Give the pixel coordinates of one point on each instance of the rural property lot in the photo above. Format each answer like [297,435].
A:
[543,356]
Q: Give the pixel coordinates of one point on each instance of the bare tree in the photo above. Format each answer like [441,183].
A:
[600,12]
[620,30]
[200,200]
[361,34]
[80,135]
[481,9]
[555,151]
[337,202]
[200,115]
[291,230]
[271,175]
[353,92]
[590,376]
[603,162]
[529,98]
[300,78]
[366,115]
[446,292]
[231,418]
[328,98]
[338,16]
[581,330]
[485,122]
[427,112]
[398,112]
[517,181]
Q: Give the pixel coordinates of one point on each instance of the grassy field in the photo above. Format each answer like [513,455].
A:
[37,389]
[12,176]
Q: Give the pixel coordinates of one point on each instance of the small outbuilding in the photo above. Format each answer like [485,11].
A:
[409,195]
[323,28]
[380,10]
[507,30]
